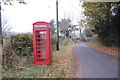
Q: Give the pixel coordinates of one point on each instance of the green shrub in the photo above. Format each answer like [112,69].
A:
[54,42]
[7,52]
[22,44]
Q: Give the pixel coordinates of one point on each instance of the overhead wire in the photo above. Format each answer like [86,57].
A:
[73,5]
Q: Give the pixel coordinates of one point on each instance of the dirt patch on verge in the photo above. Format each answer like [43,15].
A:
[71,59]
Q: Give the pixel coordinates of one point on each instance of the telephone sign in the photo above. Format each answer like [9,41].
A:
[41,43]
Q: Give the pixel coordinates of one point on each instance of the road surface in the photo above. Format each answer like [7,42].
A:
[91,63]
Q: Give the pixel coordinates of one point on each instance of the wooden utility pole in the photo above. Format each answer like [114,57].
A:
[57,44]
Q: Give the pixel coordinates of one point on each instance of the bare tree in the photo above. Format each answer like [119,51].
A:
[64,24]
[6,27]
[6,2]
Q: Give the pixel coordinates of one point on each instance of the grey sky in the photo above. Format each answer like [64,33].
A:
[22,17]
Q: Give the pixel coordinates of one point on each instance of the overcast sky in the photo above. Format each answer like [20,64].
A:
[21,17]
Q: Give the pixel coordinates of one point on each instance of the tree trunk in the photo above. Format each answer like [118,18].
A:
[1,36]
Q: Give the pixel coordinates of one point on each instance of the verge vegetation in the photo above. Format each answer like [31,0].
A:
[18,60]
[112,50]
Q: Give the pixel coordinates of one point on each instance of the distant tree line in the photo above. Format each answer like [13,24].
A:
[66,28]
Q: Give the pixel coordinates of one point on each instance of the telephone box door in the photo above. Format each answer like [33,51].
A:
[41,43]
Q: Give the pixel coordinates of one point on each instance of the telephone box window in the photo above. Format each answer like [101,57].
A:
[40,36]
[40,48]
[41,52]
[41,60]
[40,32]
[41,56]
[40,44]
[40,40]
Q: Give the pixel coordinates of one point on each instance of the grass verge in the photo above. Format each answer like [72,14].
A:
[61,66]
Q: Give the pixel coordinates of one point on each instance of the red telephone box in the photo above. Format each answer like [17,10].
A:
[41,43]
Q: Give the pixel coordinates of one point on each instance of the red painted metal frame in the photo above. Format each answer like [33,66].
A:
[48,45]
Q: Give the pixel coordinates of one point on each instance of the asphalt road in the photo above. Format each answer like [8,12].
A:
[91,63]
